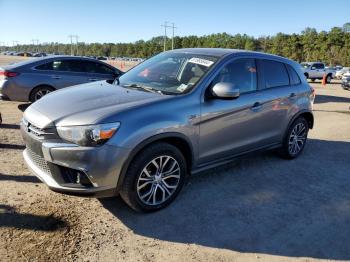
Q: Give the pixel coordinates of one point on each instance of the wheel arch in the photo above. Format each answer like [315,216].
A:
[307,115]
[176,139]
[36,88]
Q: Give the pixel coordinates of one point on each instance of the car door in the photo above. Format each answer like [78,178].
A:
[60,73]
[277,97]
[317,70]
[96,71]
[230,127]
[320,70]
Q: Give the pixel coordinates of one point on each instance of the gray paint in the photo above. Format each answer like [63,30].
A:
[215,129]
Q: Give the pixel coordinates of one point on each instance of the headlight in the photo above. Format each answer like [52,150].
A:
[88,135]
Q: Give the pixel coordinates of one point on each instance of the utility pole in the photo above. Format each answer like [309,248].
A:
[71,43]
[76,40]
[172,39]
[15,43]
[165,25]
[36,42]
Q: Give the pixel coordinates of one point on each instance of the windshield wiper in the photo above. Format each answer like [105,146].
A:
[148,89]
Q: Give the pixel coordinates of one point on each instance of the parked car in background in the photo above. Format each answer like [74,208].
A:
[39,54]
[316,70]
[345,83]
[32,79]
[179,112]
[339,73]
[102,58]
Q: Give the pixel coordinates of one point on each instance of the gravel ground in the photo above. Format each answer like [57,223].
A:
[257,208]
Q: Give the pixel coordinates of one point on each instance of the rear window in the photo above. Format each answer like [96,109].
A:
[294,77]
[275,74]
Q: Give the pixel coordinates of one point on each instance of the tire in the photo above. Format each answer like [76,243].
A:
[144,190]
[39,92]
[289,150]
[328,79]
[306,75]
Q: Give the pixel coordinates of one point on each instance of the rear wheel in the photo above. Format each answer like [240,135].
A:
[154,178]
[39,92]
[295,139]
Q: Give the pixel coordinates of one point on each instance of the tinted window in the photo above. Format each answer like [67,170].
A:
[241,73]
[63,65]
[294,78]
[47,66]
[97,68]
[102,69]
[275,74]
[318,66]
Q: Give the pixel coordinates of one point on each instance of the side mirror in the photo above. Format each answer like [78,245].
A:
[225,91]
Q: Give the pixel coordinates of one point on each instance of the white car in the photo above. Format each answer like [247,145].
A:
[340,73]
[316,70]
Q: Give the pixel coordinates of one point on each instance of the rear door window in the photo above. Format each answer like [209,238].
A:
[97,68]
[274,74]
[293,76]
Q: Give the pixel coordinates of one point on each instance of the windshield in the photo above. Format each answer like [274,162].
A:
[168,73]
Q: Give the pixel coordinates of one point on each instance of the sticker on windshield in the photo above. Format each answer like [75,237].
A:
[182,87]
[201,61]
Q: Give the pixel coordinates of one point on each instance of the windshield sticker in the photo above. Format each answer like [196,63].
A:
[182,87]
[201,61]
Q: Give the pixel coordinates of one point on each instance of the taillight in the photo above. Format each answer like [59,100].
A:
[8,74]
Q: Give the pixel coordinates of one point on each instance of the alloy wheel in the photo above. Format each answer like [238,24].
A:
[158,180]
[41,93]
[297,139]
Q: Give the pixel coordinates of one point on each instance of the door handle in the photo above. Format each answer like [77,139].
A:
[256,107]
[56,77]
[93,79]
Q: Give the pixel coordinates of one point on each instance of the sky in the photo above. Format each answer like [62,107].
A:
[131,20]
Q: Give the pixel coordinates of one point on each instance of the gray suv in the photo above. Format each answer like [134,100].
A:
[30,80]
[177,113]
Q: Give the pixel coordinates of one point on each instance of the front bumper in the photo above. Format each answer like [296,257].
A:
[59,164]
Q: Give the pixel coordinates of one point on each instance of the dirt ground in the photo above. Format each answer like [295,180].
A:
[257,208]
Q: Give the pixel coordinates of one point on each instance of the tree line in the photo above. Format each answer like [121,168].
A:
[331,47]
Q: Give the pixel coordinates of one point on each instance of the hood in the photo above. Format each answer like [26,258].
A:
[85,104]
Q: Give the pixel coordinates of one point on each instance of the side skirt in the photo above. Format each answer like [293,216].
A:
[228,159]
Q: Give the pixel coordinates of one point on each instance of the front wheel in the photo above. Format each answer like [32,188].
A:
[328,79]
[295,139]
[154,178]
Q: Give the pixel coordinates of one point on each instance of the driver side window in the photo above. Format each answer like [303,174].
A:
[241,73]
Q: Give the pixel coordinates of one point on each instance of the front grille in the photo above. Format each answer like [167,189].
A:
[39,161]
[36,131]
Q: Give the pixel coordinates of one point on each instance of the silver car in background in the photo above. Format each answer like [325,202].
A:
[32,79]
[177,113]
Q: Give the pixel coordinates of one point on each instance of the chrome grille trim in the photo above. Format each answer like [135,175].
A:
[36,131]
